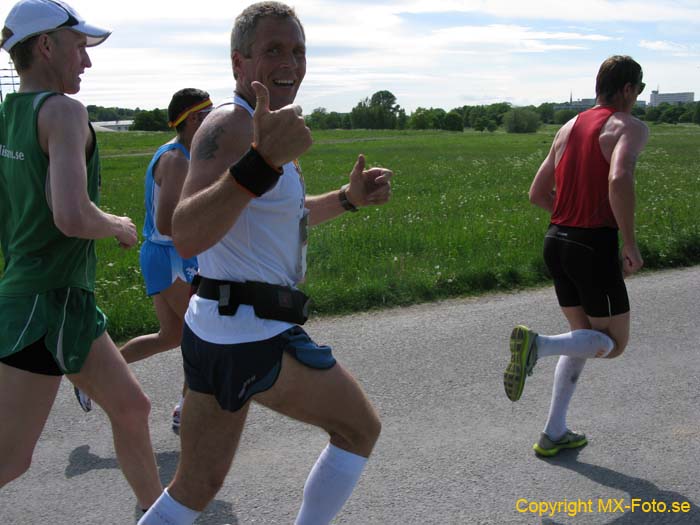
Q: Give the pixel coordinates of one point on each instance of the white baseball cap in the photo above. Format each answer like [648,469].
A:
[33,17]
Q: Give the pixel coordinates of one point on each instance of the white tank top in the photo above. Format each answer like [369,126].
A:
[266,244]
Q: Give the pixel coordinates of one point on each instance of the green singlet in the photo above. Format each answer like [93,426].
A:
[49,279]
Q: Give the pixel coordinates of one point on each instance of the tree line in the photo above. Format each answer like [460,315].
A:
[381,111]
[143,120]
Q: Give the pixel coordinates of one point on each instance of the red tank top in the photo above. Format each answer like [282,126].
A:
[581,177]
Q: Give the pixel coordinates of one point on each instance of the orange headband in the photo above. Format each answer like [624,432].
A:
[186,113]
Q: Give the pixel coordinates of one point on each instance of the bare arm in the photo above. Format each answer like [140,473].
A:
[621,189]
[171,171]
[64,135]
[212,200]
[542,188]
[366,188]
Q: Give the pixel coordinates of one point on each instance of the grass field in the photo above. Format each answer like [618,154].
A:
[459,222]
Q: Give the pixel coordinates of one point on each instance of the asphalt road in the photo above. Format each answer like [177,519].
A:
[454,449]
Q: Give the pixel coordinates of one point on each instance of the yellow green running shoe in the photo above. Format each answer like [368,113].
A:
[546,447]
[523,356]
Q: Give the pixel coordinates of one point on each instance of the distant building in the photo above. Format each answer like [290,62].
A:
[587,103]
[113,125]
[576,105]
[670,98]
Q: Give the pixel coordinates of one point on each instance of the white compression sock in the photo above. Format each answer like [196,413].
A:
[167,511]
[565,378]
[579,343]
[329,485]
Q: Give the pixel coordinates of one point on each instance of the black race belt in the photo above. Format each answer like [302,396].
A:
[270,301]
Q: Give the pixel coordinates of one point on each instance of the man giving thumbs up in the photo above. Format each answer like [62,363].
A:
[244,214]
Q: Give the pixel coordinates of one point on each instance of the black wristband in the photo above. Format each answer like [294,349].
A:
[254,174]
[344,202]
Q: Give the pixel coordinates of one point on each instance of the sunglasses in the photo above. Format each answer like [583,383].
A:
[641,87]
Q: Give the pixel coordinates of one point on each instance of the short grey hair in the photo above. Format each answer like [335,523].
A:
[243,32]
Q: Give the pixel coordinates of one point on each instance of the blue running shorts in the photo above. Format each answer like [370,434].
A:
[161,265]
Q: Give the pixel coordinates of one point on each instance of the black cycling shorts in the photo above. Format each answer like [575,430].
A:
[586,268]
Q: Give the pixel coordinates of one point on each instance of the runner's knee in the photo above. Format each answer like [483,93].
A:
[358,438]
[620,340]
[195,488]
[617,350]
[131,409]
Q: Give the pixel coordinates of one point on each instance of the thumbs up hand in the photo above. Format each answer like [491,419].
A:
[368,187]
[280,136]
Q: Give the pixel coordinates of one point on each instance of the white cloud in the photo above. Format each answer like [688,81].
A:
[455,50]
[588,11]
[679,50]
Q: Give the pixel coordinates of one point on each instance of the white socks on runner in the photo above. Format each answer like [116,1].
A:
[574,348]
[167,511]
[329,485]
[565,378]
[579,343]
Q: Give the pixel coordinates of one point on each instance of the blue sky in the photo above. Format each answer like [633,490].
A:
[429,53]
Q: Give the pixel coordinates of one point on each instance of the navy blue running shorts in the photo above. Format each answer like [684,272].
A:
[233,373]
[586,268]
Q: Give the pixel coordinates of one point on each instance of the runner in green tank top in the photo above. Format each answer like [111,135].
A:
[29,228]
[49,221]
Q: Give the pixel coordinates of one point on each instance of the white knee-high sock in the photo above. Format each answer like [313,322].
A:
[579,343]
[167,511]
[329,485]
[565,378]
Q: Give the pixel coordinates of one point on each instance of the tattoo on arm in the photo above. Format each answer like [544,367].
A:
[208,145]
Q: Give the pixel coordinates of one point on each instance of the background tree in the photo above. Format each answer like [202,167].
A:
[385,100]
[639,112]
[480,123]
[562,116]
[495,112]
[653,114]
[477,118]
[401,119]
[696,113]
[687,115]
[671,114]
[466,116]
[420,119]
[378,112]
[334,120]
[437,118]
[317,119]
[546,112]
[521,120]
[453,121]
[102,114]
[156,120]
[360,115]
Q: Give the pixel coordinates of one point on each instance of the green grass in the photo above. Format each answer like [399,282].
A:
[459,222]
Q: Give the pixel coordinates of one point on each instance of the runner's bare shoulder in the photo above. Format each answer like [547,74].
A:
[65,116]
[226,134]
